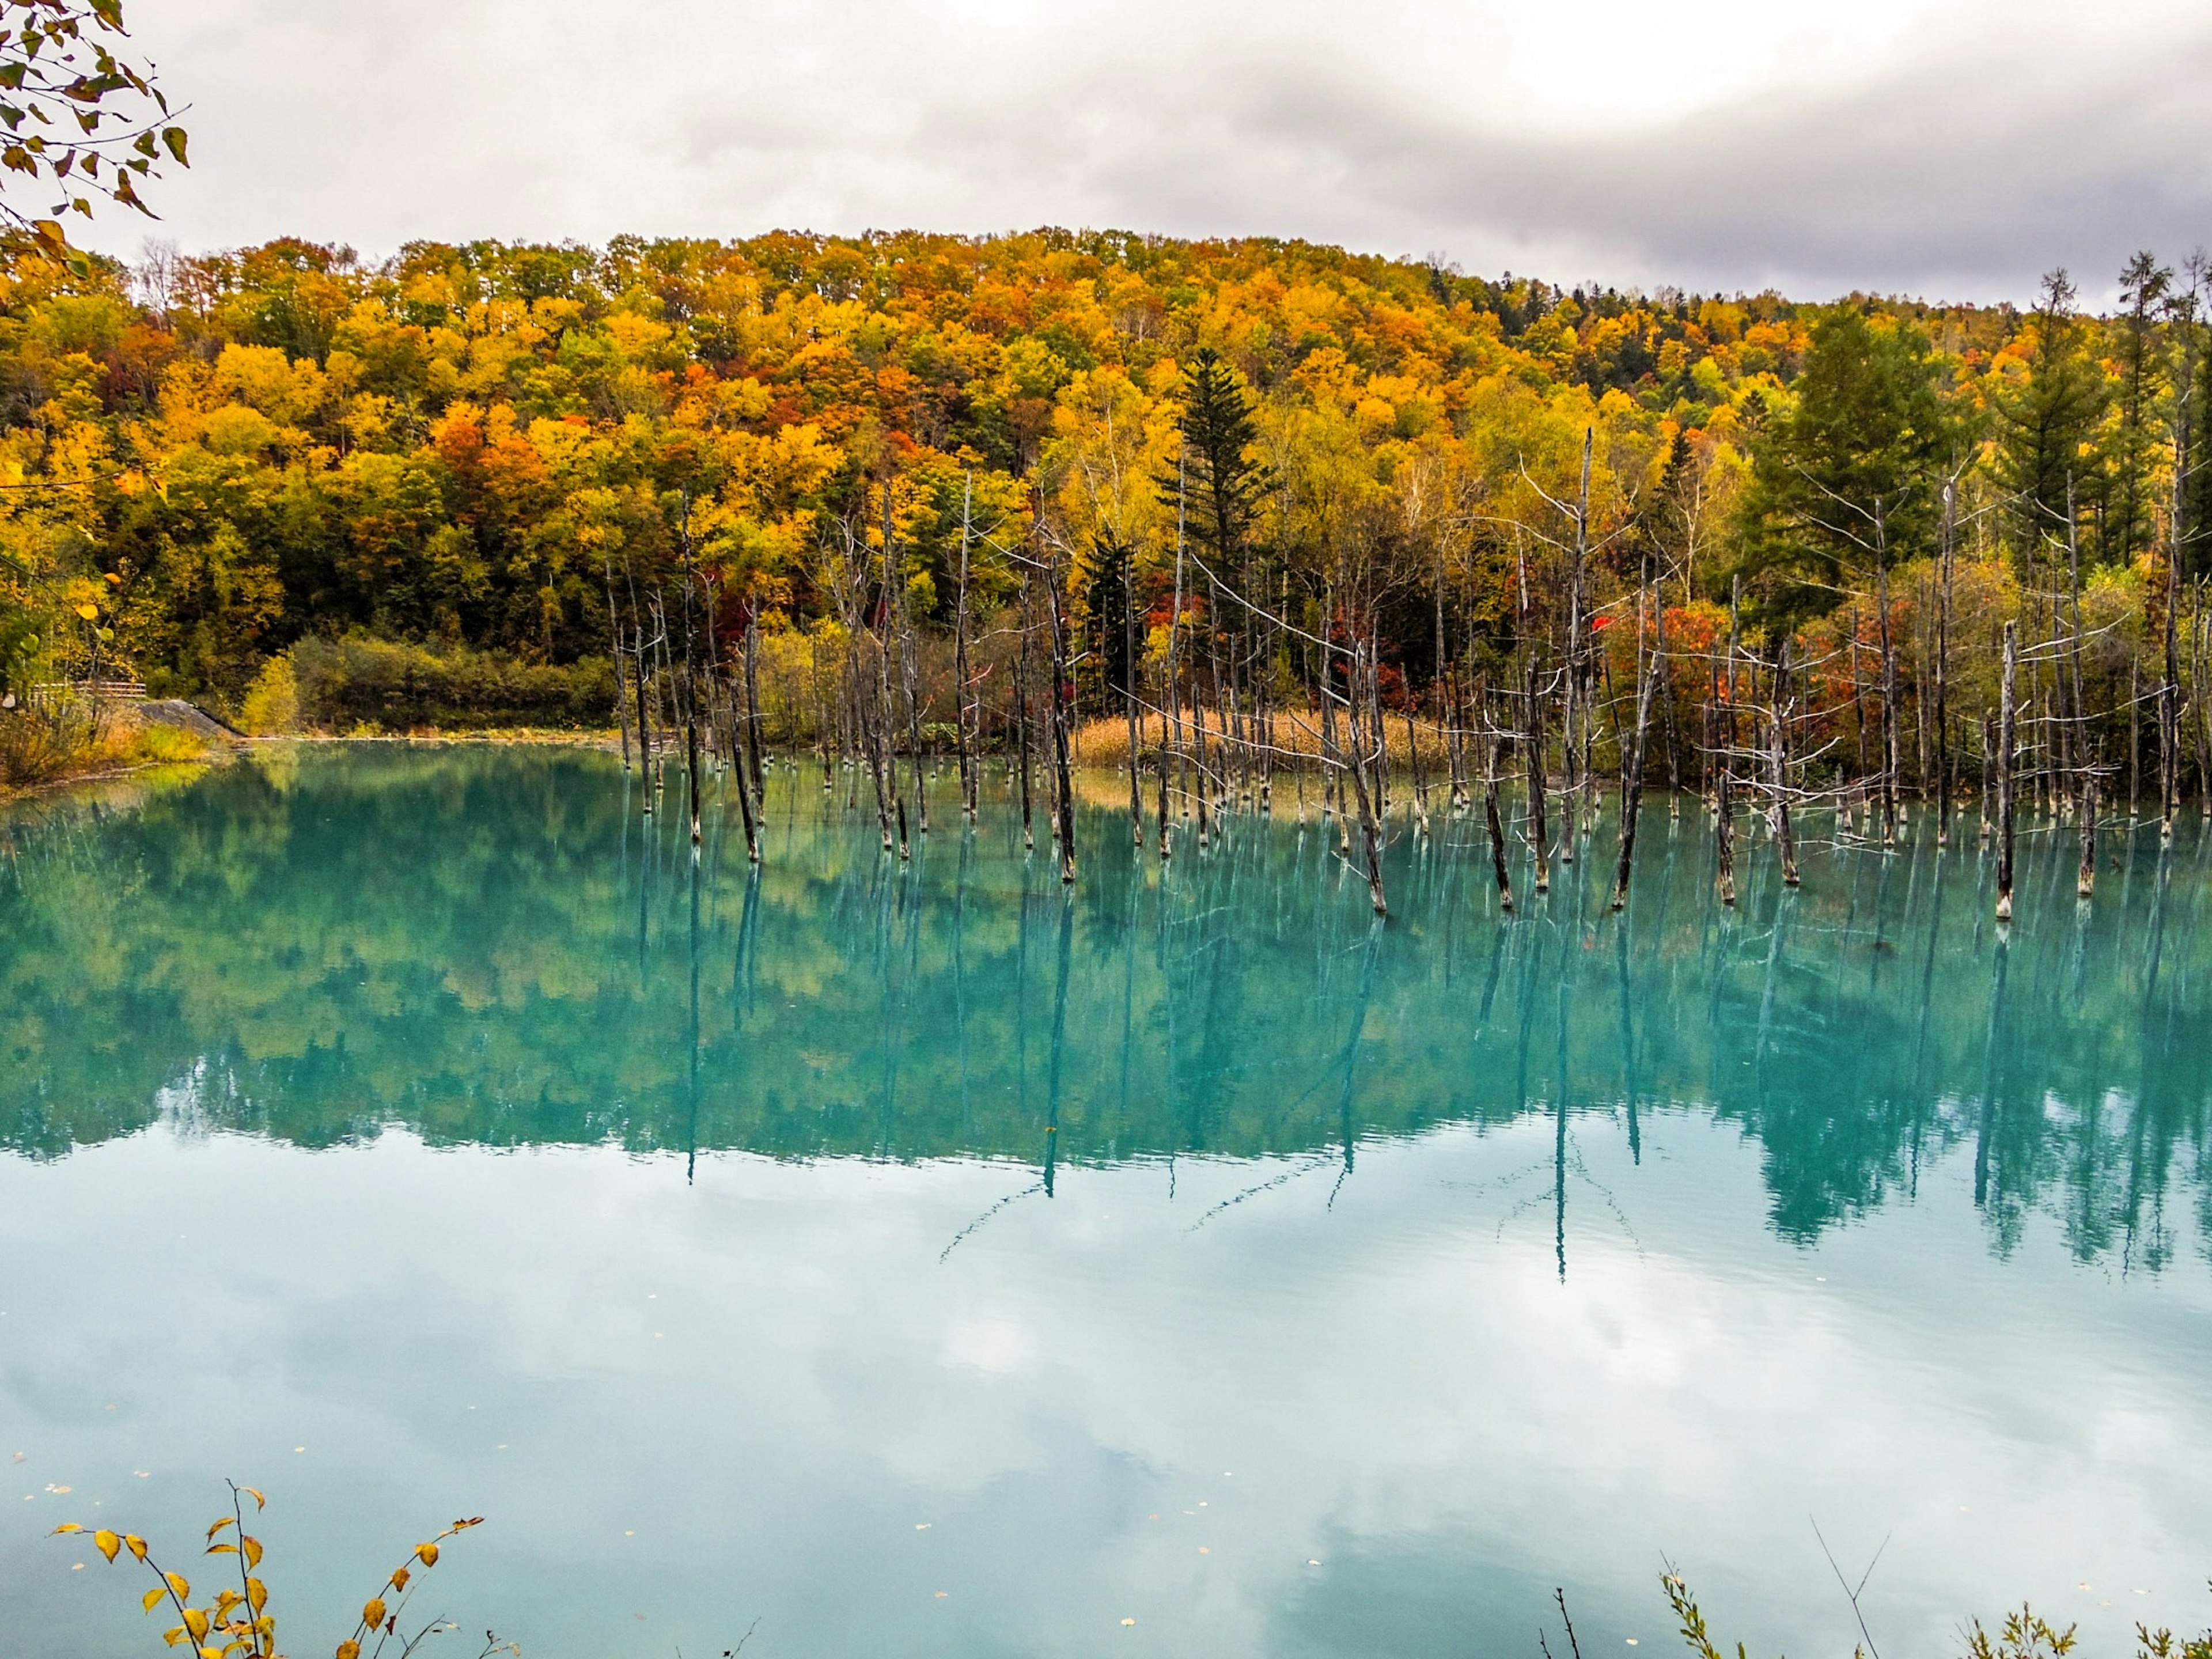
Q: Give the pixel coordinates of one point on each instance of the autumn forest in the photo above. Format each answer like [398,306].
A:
[499,484]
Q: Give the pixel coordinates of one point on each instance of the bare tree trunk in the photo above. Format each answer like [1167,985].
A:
[1061,711]
[622,688]
[644,722]
[755,726]
[1496,827]
[1368,832]
[1131,673]
[960,672]
[1540,832]
[1944,785]
[2006,735]
[1891,755]
[1784,834]
[1022,717]
[1632,789]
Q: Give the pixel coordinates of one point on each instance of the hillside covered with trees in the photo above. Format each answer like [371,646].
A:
[502,457]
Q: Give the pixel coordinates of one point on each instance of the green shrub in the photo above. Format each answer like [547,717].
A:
[272,701]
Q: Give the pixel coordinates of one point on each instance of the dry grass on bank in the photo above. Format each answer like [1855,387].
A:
[59,742]
[1295,739]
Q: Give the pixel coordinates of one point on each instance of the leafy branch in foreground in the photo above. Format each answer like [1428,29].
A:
[237,1623]
[2023,1635]
[77,115]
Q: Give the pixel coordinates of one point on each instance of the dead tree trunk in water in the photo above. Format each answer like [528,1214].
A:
[1062,713]
[621,690]
[2006,717]
[1540,832]
[1130,677]
[1944,785]
[1496,827]
[755,725]
[960,675]
[1784,834]
[1022,717]
[1631,791]
[1367,833]
[1890,750]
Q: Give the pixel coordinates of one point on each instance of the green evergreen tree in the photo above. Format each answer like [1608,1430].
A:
[2046,428]
[1221,480]
[1851,475]
[2192,421]
[2128,524]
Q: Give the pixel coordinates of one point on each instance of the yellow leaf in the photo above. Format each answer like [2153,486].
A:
[349,1650]
[260,1502]
[134,1544]
[219,1526]
[178,1584]
[174,1637]
[220,1549]
[256,1593]
[66,1526]
[152,1598]
[90,613]
[399,1579]
[107,1543]
[195,1620]
[373,1614]
[427,1555]
[252,1548]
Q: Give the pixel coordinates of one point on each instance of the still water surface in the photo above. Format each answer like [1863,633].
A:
[923,1260]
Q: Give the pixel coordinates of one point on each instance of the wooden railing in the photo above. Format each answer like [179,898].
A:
[99,690]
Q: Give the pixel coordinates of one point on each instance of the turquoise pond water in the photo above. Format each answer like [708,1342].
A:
[923,1258]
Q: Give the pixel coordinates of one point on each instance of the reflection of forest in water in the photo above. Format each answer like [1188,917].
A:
[490,946]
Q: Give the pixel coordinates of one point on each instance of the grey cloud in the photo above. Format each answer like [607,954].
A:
[1959,162]
[1960,180]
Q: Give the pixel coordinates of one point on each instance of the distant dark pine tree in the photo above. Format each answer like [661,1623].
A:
[1220,483]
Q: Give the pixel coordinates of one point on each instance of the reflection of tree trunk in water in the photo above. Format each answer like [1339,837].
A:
[644,885]
[691,1124]
[1058,1040]
[1533,954]
[1927,982]
[1620,955]
[2157,926]
[1490,979]
[1785,909]
[1129,982]
[1021,996]
[1344,1117]
[1560,1138]
[960,983]
[1990,1051]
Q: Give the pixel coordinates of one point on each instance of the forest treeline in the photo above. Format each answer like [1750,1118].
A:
[935,487]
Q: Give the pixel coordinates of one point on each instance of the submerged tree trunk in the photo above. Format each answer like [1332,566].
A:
[1632,789]
[2006,733]
[1784,834]
[1540,833]
[1495,827]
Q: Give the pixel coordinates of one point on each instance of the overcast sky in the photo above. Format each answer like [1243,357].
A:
[1946,149]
